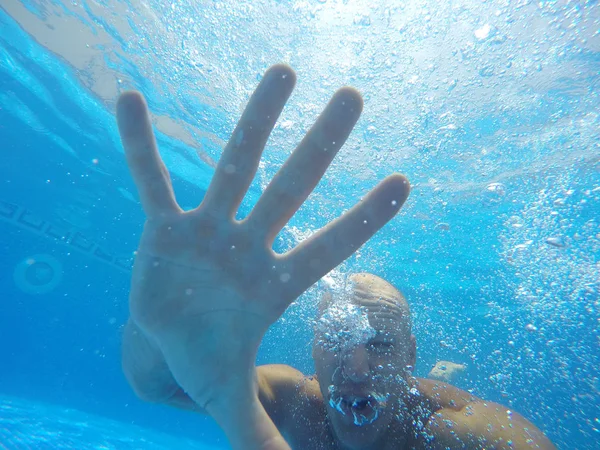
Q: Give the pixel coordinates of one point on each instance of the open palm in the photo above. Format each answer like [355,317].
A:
[205,286]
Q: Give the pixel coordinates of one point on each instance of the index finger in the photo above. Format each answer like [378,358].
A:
[145,164]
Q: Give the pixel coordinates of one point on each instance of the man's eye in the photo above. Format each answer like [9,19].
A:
[382,345]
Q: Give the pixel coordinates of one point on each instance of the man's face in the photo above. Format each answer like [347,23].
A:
[362,351]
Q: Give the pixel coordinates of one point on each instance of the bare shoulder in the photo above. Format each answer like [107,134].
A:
[440,395]
[286,394]
[461,420]
[282,381]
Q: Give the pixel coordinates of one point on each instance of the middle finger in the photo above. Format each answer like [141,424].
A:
[304,168]
[239,161]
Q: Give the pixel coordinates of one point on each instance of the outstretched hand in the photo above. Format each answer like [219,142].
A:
[205,286]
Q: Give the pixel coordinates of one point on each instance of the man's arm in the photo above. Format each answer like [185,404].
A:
[463,421]
[485,425]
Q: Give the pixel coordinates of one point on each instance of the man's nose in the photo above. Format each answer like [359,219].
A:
[355,364]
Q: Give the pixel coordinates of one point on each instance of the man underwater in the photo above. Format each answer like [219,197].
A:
[206,287]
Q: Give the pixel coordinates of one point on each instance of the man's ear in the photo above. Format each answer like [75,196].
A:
[412,355]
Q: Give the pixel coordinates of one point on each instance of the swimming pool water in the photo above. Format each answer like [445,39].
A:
[28,424]
[490,108]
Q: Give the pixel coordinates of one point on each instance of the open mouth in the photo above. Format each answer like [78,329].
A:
[363,410]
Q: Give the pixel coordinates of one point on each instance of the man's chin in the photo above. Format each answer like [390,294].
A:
[356,437]
[356,429]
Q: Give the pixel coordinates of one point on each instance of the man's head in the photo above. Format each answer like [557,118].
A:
[364,352]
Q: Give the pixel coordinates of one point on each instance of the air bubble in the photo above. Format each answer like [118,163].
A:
[442,226]
[285,277]
[515,221]
[239,137]
[555,242]
[497,188]
[483,32]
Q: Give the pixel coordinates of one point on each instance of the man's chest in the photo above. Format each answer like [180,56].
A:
[310,439]
[312,433]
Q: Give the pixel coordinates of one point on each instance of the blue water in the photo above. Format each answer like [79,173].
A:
[29,424]
[491,109]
